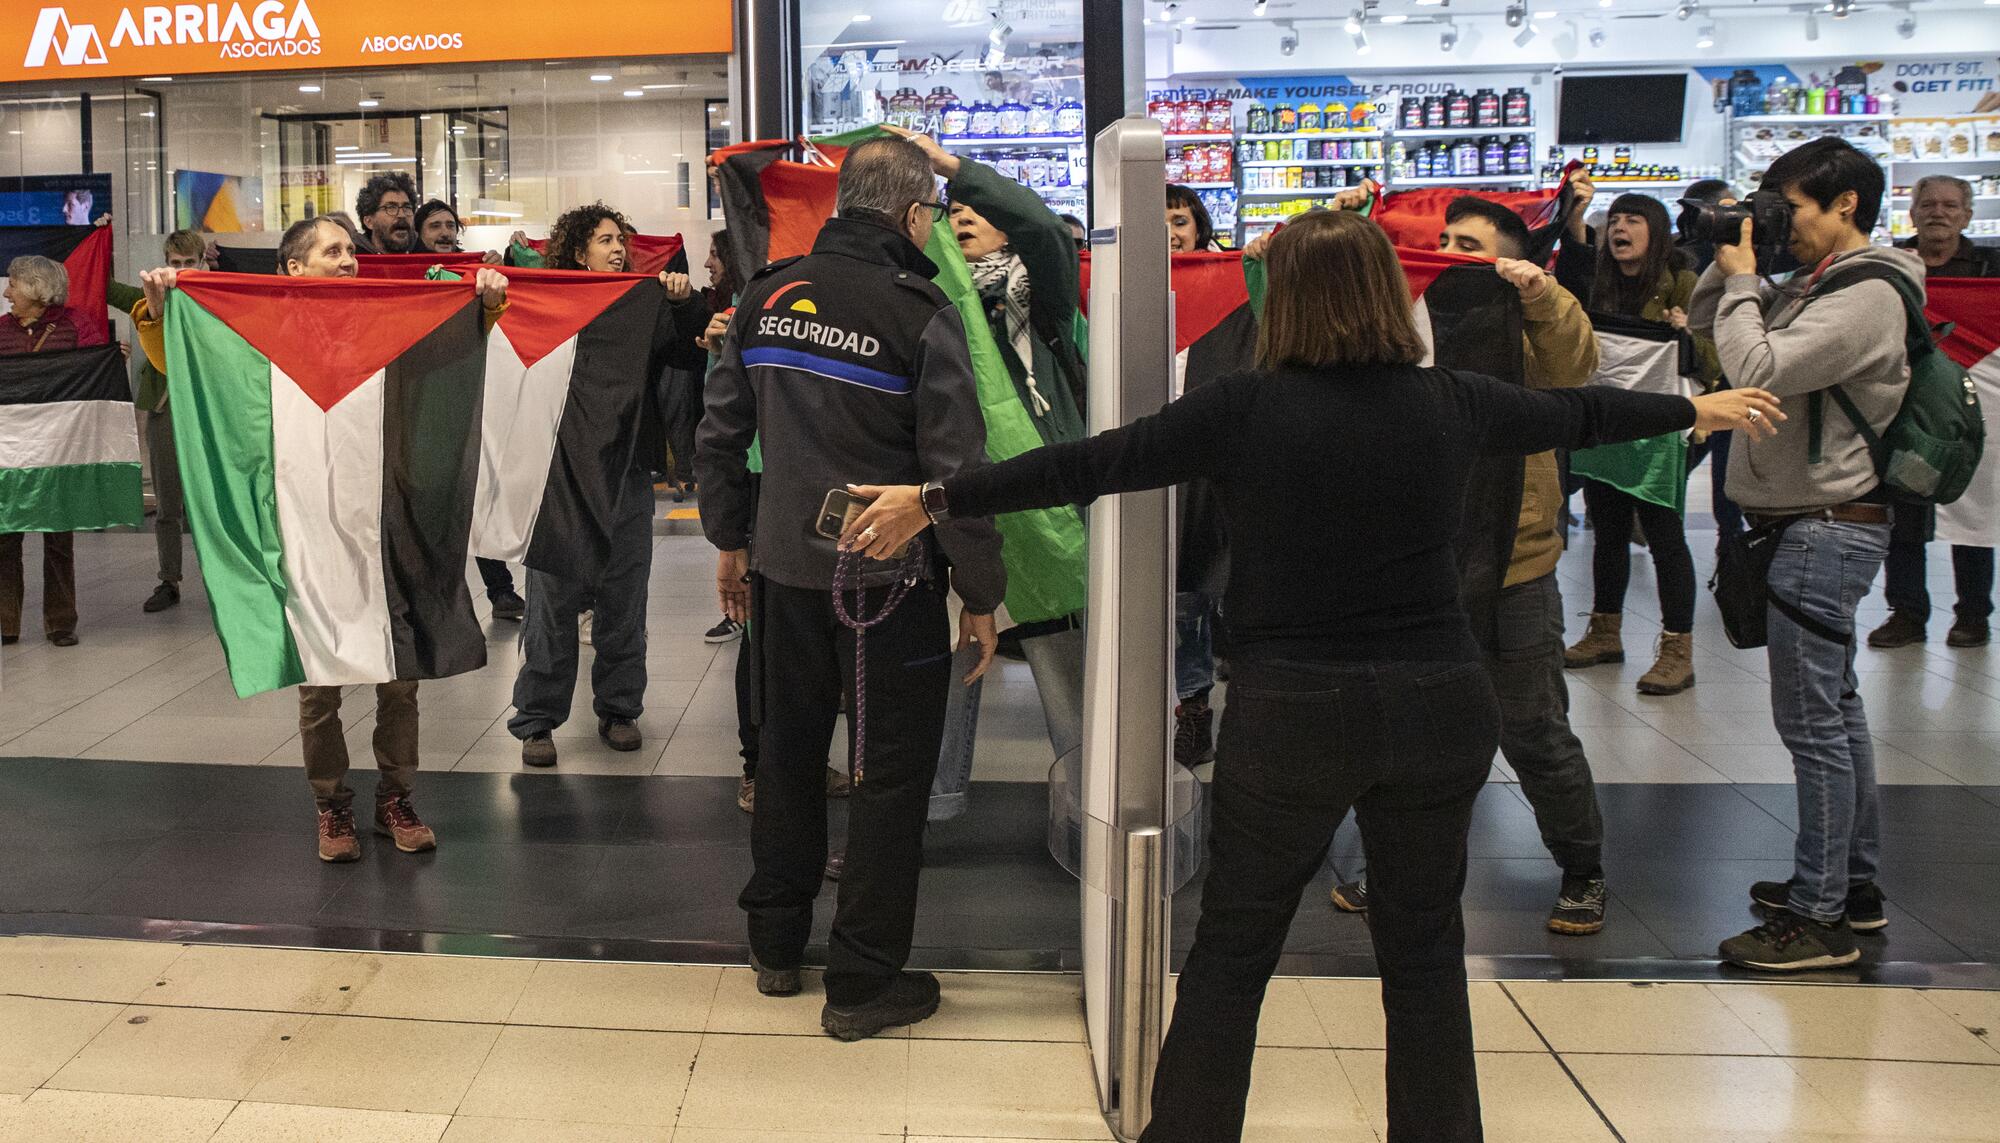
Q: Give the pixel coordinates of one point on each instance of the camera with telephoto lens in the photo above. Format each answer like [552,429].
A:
[1767,212]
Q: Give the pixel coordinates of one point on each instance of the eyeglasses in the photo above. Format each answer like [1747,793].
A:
[395,208]
[939,211]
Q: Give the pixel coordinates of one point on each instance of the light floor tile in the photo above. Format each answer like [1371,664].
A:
[1523,1098]
[73,968]
[1640,754]
[740,1008]
[1041,1091]
[1977,1012]
[37,1037]
[1929,1101]
[1301,1095]
[290,1123]
[277,980]
[190,738]
[474,1129]
[721,1135]
[585,1075]
[785,1083]
[465,989]
[993,1139]
[1852,1023]
[98,1117]
[1715,1099]
[1286,1019]
[1011,1006]
[40,743]
[501,754]
[1351,1013]
[192,1052]
[1579,1016]
[651,997]
[383,1065]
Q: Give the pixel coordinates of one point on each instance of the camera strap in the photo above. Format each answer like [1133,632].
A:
[847,578]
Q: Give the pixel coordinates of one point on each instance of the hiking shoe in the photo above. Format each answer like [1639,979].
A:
[910,998]
[1194,733]
[619,733]
[746,795]
[1901,630]
[724,632]
[835,866]
[508,604]
[777,981]
[1579,909]
[1791,943]
[337,841]
[163,597]
[396,819]
[1864,903]
[838,785]
[538,750]
[1968,633]
[1351,896]
[1673,666]
[1601,644]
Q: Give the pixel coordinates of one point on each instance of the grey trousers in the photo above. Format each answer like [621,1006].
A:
[170,520]
[547,682]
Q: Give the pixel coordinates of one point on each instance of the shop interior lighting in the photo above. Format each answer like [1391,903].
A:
[1288,39]
[347,147]
[371,103]
[860,18]
[1840,8]
[1527,33]
[1687,9]
[660,86]
[156,79]
[1517,14]
[309,89]
[600,77]
[1907,26]
[1354,22]
[1396,18]
[1257,9]
[633,93]
[1705,38]
[1433,3]
[1448,37]
[1812,24]
[1597,37]
[1361,42]
[1545,14]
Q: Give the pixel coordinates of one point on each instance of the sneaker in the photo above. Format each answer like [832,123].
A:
[508,604]
[619,733]
[337,841]
[1901,630]
[746,795]
[838,785]
[1579,910]
[396,819]
[583,628]
[163,597]
[1351,896]
[835,866]
[1864,903]
[1969,633]
[777,981]
[539,750]
[1194,733]
[726,631]
[1791,943]
[63,638]
[910,998]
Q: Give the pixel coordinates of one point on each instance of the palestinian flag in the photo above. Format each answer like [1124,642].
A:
[85,253]
[565,370]
[409,267]
[69,444]
[1415,218]
[247,259]
[1972,305]
[651,253]
[328,433]
[1645,357]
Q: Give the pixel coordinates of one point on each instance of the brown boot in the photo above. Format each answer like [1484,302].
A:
[395,818]
[1601,644]
[336,835]
[1673,669]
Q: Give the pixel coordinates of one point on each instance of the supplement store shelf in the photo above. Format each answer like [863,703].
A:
[1752,120]
[1946,162]
[1975,198]
[1312,163]
[1012,141]
[1200,137]
[1460,132]
[1210,186]
[1312,135]
[1292,192]
[1468,181]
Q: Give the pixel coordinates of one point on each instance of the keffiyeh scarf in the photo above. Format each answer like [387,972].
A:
[1002,279]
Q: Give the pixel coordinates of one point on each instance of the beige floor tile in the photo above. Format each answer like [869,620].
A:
[785,1083]
[1007,1006]
[740,1008]
[994,1139]
[1977,1012]
[276,980]
[1287,1019]
[382,1065]
[44,743]
[1301,1095]
[1927,1101]
[192,1052]
[463,989]
[290,1123]
[1523,1098]
[37,1037]
[584,1075]
[1579,1016]
[1351,1013]
[473,1129]
[1714,1099]
[1041,1091]
[76,969]
[97,1117]
[724,1135]
[190,738]
[1852,1023]
[650,997]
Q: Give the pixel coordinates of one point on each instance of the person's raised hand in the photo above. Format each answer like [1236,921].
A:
[493,257]
[718,327]
[1677,317]
[1738,257]
[491,286]
[156,284]
[1356,197]
[1752,412]
[678,288]
[1533,281]
[1582,191]
[982,631]
[732,583]
[102,219]
[1259,246]
[942,161]
[893,517]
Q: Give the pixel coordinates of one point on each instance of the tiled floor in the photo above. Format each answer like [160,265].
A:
[113,1041]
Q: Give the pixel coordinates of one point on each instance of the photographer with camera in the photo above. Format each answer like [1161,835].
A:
[1835,329]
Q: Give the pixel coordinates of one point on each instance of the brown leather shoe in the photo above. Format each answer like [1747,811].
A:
[1603,643]
[337,841]
[395,818]
[1673,668]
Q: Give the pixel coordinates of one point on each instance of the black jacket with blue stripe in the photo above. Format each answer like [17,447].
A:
[849,366]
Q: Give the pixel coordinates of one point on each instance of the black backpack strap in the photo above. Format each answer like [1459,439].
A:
[1916,342]
[1811,625]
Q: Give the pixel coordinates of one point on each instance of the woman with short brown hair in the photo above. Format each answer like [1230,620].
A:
[1341,462]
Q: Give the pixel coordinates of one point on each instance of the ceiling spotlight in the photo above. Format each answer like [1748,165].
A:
[309,89]
[1604,3]
[1705,38]
[1907,26]
[1397,18]
[1686,9]
[1257,9]
[1448,38]
[600,77]
[860,18]
[1812,24]
[1527,33]
[634,93]
[1597,37]
[371,103]
[1840,8]
[1288,38]
[998,36]
[1517,14]
[1354,21]
[1361,43]
[1545,14]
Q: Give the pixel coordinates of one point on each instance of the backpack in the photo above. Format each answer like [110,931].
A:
[1930,450]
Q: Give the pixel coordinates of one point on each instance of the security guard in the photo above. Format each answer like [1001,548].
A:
[849,366]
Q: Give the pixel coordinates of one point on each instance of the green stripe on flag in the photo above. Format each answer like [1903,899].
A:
[1653,469]
[220,388]
[76,497]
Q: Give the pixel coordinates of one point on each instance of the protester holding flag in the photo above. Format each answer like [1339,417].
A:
[38,321]
[387,207]
[1356,675]
[1636,276]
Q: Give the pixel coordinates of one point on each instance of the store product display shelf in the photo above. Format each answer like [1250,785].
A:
[1291,192]
[1755,119]
[1641,184]
[1210,186]
[1199,137]
[1975,198]
[1469,181]
[1312,163]
[1459,132]
[1012,141]
[1946,162]
[1260,137]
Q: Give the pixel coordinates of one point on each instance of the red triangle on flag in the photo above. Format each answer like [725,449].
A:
[650,252]
[328,334]
[547,307]
[1972,305]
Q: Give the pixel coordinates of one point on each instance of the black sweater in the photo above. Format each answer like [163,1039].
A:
[1341,488]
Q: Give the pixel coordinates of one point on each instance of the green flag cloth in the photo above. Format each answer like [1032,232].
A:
[1653,470]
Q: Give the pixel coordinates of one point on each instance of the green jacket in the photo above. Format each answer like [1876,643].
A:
[150,384]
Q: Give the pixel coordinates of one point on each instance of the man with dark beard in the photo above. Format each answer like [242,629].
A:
[387,208]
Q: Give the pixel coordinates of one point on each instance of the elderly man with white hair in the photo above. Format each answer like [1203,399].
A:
[37,321]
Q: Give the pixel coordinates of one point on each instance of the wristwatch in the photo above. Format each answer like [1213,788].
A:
[934,502]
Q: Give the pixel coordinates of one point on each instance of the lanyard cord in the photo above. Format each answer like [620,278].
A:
[909,570]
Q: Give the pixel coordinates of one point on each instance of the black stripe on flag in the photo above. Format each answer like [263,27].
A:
[430,466]
[1639,329]
[93,374]
[1202,554]
[53,242]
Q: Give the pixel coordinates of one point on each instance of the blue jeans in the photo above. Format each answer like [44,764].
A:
[1057,662]
[1194,643]
[1824,569]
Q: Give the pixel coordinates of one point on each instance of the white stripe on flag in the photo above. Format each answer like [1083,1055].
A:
[1641,365]
[517,442]
[68,432]
[1973,520]
[329,481]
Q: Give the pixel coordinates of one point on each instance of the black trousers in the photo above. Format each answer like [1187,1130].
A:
[494,574]
[1525,661]
[1611,514]
[1905,587]
[808,660]
[1408,746]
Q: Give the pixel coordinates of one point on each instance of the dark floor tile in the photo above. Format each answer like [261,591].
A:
[527,890]
[637,889]
[1780,800]
[1525,932]
[1959,902]
[55,874]
[1928,824]
[529,809]
[1645,821]
[685,812]
[1503,826]
[1001,819]
[1990,793]
[998,930]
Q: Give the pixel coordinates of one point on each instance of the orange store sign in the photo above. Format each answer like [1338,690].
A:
[71,39]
